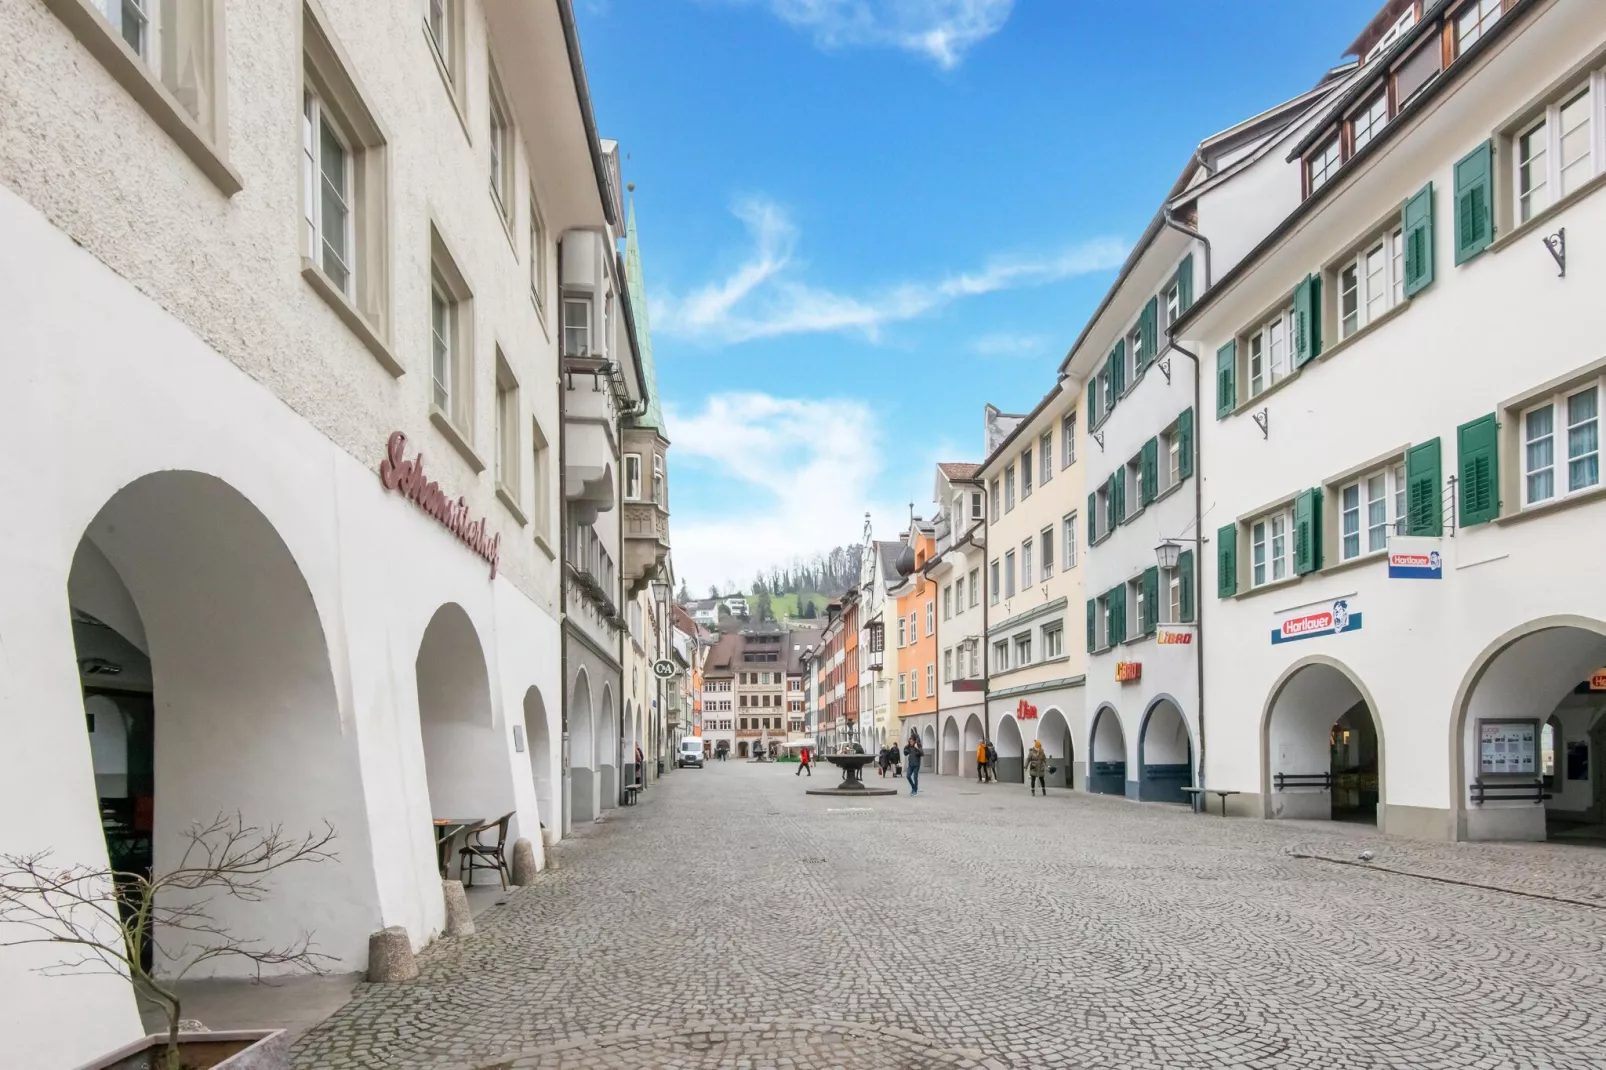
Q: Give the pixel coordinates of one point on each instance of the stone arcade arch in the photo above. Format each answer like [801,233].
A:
[967,745]
[235,710]
[1321,745]
[538,740]
[1055,733]
[1530,674]
[1165,753]
[1107,754]
[948,760]
[1011,752]
[928,742]
[585,802]
[607,751]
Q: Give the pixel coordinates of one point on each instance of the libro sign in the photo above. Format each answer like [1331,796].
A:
[1128,671]
[1310,622]
[407,477]
[1174,636]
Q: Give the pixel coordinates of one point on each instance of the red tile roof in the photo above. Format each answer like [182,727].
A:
[959,469]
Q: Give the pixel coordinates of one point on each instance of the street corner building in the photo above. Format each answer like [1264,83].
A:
[319,439]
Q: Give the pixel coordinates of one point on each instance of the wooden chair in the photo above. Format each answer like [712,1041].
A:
[478,854]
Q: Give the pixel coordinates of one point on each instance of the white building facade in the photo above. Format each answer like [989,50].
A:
[956,569]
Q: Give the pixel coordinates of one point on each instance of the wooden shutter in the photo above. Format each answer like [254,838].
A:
[1117,367]
[1092,518]
[1185,443]
[1307,320]
[1092,624]
[1149,330]
[1424,512]
[1149,465]
[1151,599]
[1185,578]
[1106,387]
[1416,221]
[1185,283]
[1227,561]
[1117,598]
[1308,532]
[1474,202]
[1118,496]
[1478,448]
[1093,401]
[1226,379]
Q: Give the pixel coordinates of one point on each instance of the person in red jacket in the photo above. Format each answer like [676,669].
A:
[804,764]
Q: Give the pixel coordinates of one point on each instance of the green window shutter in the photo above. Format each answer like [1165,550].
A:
[1092,623]
[1092,518]
[1185,443]
[1151,599]
[1118,482]
[1117,598]
[1474,202]
[1308,532]
[1416,222]
[1107,384]
[1185,283]
[1227,561]
[1117,367]
[1150,467]
[1149,330]
[1226,379]
[1478,446]
[1424,512]
[1308,320]
[1185,580]
[1092,400]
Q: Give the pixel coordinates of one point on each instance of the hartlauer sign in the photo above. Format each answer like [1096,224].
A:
[408,478]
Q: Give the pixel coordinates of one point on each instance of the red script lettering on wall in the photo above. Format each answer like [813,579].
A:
[1025,711]
[408,478]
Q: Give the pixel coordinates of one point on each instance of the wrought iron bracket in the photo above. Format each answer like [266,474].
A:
[1557,244]
[1165,370]
[1098,436]
[1263,421]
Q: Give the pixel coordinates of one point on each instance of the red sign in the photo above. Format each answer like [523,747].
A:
[1128,671]
[1025,711]
[408,478]
[1597,680]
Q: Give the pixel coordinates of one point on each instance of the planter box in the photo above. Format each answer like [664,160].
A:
[238,1049]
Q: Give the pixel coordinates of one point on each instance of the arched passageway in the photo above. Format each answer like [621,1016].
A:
[928,742]
[948,760]
[465,759]
[1532,727]
[1107,768]
[1011,752]
[209,694]
[741,749]
[608,751]
[967,746]
[1055,734]
[585,800]
[1322,746]
[538,738]
[1165,755]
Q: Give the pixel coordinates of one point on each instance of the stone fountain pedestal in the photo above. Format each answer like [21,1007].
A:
[853,785]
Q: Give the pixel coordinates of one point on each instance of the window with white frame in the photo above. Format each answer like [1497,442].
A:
[1025,473]
[1053,640]
[977,511]
[449,348]
[326,160]
[1270,356]
[959,595]
[1135,599]
[931,618]
[443,25]
[995,577]
[1009,487]
[903,688]
[1171,585]
[996,511]
[540,507]
[1132,473]
[931,679]
[948,602]
[1045,457]
[1068,542]
[538,255]
[577,327]
[1271,548]
[1068,440]
[660,489]
[1026,564]
[1555,153]
[1173,304]
[1134,355]
[632,477]
[975,587]
[1321,164]
[1372,283]
[1023,649]
[1392,34]
[1169,472]
[1000,655]
[1009,574]
[1369,512]
[1474,21]
[902,641]
[1101,512]
[502,144]
[177,43]
[507,428]
[1370,120]
[948,664]
[1561,445]
[1045,540]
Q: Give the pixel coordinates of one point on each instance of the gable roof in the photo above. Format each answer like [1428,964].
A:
[958,469]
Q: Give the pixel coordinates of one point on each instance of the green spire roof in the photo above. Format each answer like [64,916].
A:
[654,416]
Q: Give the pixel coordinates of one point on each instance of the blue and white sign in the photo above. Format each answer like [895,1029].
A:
[1310,622]
[1415,559]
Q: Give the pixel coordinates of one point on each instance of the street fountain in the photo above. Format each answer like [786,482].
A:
[853,785]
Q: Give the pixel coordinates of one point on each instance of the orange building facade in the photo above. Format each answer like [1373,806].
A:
[915,629]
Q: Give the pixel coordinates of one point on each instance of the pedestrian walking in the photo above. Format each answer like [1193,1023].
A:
[981,763]
[1037,766]
[992,762]
[641,760]
[803,764]
[912,753]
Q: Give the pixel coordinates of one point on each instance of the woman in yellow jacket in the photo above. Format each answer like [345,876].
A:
[981,762]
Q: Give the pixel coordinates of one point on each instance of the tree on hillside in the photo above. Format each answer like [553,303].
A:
[760,606]
[713,592]
[685,593]
[809,612]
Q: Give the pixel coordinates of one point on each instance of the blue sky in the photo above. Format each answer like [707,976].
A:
[861,220]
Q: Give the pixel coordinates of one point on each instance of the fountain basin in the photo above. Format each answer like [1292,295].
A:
[852,766]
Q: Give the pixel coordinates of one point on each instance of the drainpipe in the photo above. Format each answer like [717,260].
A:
[563,565]
[1198,537]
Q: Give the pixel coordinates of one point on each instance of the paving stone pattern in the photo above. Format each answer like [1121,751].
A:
[730,921]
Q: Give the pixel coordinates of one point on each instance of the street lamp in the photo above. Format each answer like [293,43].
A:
[1167,552]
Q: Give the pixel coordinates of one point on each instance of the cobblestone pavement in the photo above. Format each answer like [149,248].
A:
[730,921]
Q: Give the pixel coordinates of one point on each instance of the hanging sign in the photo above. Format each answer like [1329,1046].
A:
[407,477]
[1508,747]
[1415,559]
[1127,672]
[1597,680]
[663,668]
[1309,623]
[1025,711]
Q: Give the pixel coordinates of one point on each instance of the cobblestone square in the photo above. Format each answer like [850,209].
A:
[730,921]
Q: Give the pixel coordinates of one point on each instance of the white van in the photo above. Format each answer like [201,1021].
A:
[691,753]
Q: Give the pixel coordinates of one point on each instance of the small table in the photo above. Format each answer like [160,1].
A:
[447,829]
[1213,791]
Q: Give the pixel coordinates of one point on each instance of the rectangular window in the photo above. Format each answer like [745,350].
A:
[1009,487]
[1068,440]
[1417,71]
[976,511]
[1025,564]
[1009,574]
[931,618]
[1134,358]
[507,429]
[902,642]
[1053,641]
[903,688]
[443,345]
[540,503]
[1533,171]
[1001,655]
[1171,584]
[1474,21]
[327,192]
[576,327]
[1173,303]
[1045,457]
[502,152]
[931,680]
[1372,283]
[1321,164]
[660,492]
[997,512]
[1270,358]
[1025,473]
[948,664]
[995,578]
[1068,542]
[1046,540]
[1370,120]
[975,587]
[1023,649]
[959,595]
[1554,155]
[1544,478]
[632,477]
[1271,547]
[947,602]
[538,255]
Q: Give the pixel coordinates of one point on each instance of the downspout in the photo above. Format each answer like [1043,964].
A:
[1171,222]
[563,566]
[1198,538]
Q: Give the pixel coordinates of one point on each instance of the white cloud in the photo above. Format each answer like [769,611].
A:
[1008,344]
[940,30]
[798,476]
[763,298]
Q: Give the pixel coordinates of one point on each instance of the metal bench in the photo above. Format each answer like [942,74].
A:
[631,792]
[1219,792]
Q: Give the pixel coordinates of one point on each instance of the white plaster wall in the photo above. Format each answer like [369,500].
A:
[1484,332]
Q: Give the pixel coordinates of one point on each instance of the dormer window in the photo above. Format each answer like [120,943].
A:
[576,327]
[1392,34]
[1321,164]
[1370,120]
[1474,21]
